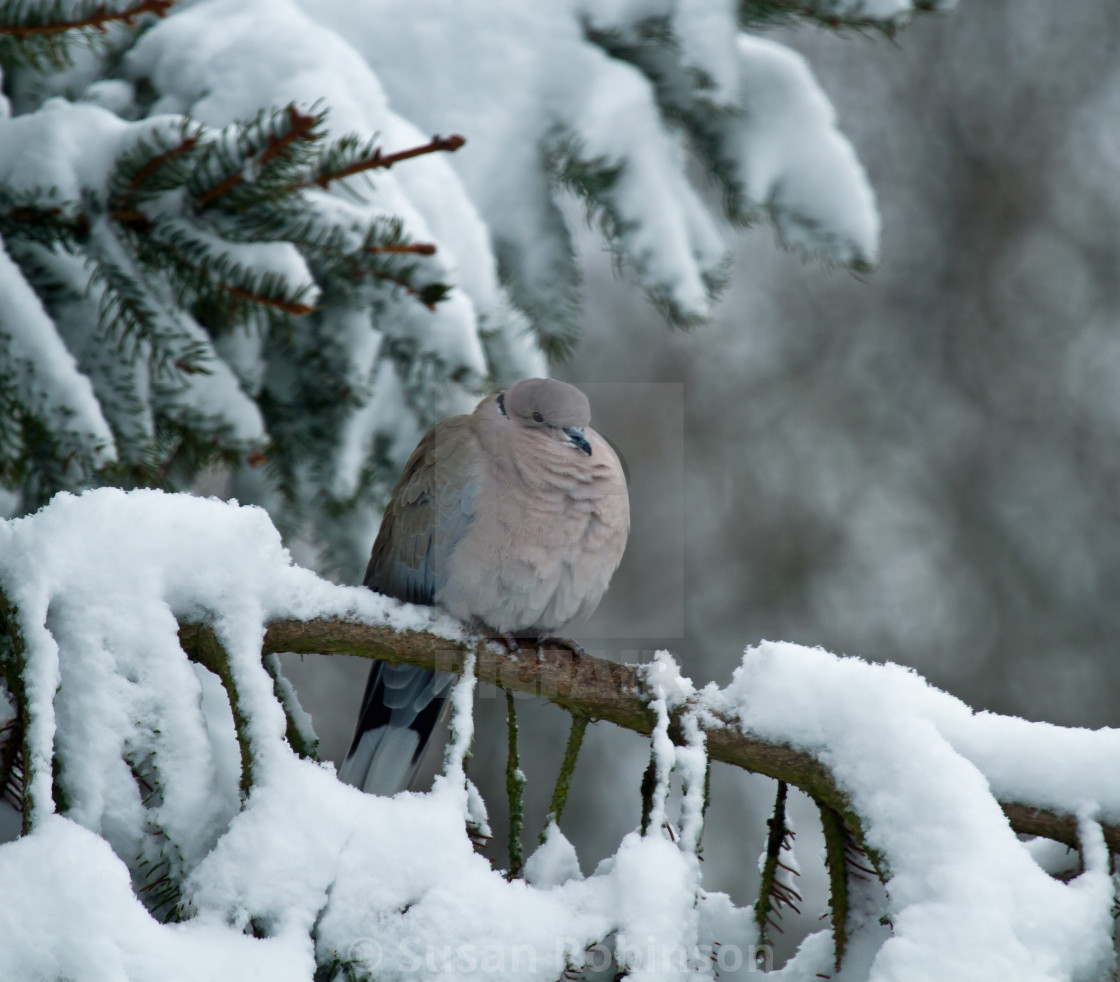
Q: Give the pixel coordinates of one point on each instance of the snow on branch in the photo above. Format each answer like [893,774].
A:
[43,33]
[154,746]
[99,17]
[599,689]
[889,16]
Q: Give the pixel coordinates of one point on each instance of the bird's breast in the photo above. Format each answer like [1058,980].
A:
[542,547]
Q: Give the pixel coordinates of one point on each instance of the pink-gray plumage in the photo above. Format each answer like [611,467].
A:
[512,519]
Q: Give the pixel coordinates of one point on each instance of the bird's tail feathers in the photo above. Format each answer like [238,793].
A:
[401,708]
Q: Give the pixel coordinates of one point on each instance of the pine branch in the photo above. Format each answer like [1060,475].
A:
[419,248]
[19,766]
[771,895]
[200,264]
[647,789]
[139,167]
[338,163]
[130,310]
[429,295]
[341,265]
[276,145]
[99,18]
[754,14]
[34,217]
[836,860]
[292,307]
[40,34]
[13,787]
[604,690]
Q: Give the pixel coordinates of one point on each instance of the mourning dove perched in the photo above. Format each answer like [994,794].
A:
[512,519]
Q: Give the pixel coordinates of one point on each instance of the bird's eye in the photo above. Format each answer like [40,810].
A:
[538,418]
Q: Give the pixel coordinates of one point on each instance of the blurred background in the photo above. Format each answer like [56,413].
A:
[918,466]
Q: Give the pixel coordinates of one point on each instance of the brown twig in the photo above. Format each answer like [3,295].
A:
[383,161]
[418,248]
[98,20]
[293,307]
[301,126]
[78,223]
[184,146]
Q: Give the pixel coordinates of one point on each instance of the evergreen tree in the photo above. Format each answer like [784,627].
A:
[207,263]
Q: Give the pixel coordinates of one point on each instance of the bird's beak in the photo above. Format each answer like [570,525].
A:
[577,439]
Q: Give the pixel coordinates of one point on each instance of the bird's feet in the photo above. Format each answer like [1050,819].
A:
[511,643]
[514,645]
[577,649]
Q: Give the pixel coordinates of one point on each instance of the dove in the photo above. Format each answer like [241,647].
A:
[512,519]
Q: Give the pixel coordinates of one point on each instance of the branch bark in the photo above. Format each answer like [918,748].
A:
[600,690]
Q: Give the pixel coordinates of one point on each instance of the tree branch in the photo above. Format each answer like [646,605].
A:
[600,690]
[98,20]
[383,161]
[302,127]
[416,248]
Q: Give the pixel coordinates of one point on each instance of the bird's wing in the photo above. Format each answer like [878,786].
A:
[430,510]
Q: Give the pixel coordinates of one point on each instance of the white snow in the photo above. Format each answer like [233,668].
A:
[67,147]
[72,915]
[99,581]
[47,379]
[531,76]
[554,861]
[392,886]
[966,898]
[793,160]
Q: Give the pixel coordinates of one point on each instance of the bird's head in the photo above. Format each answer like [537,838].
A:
[556,408]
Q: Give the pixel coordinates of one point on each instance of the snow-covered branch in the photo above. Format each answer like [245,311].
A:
[155,746]
[599,689]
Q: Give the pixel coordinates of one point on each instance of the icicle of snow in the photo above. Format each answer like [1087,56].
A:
[664,759]
[671,690]
[462,721]
[692,764]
